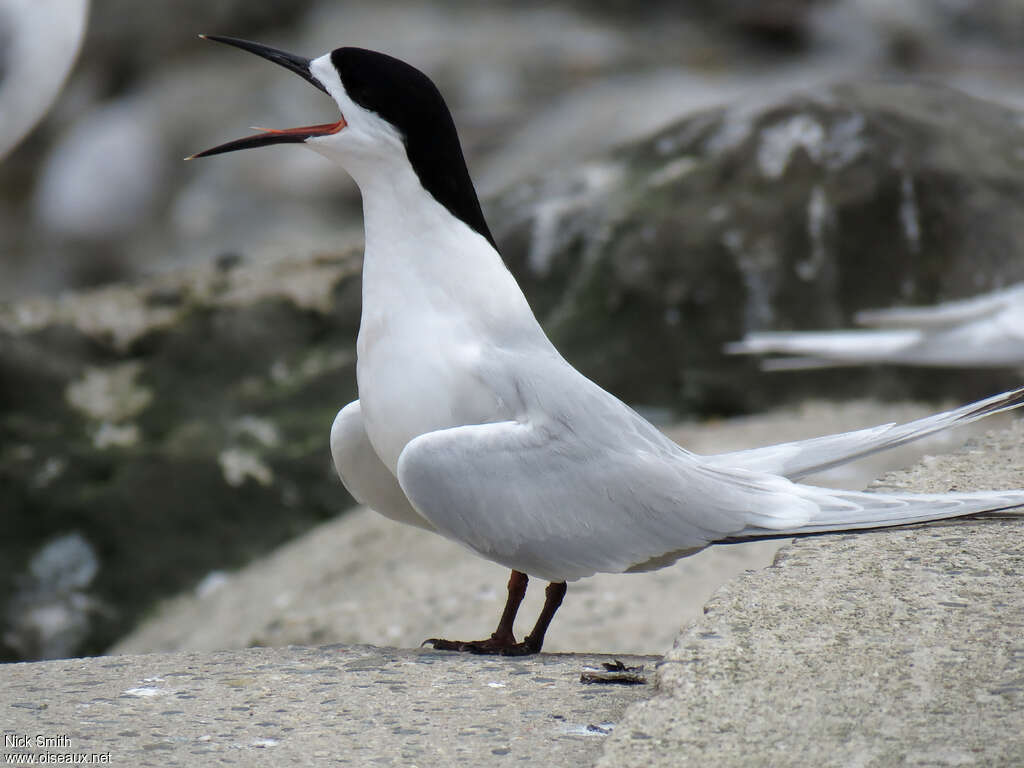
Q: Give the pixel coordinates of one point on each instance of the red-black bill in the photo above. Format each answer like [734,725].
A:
[299,66]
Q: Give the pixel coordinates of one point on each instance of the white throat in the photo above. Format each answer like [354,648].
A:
[440,312]
[438,305]
[420,257]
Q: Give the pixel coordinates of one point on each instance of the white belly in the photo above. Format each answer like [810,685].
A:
[416,377]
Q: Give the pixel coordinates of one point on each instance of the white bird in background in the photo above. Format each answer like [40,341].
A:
[39,40]
[472,425]
[986,331]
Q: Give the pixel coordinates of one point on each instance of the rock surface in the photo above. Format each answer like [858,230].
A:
[897,647]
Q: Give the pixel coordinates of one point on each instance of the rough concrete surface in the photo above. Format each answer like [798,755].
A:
[896,647]
[364,579]
[336,705]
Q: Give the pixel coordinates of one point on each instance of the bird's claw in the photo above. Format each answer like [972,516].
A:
[488,647]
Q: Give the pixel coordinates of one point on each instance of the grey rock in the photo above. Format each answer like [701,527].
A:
[895,647]
[50,613]
[793,213]
[783,23]
[65,564]
[590,120]
[918,33]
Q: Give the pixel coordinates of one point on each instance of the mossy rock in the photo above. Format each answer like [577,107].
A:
[789,214]
[177,426]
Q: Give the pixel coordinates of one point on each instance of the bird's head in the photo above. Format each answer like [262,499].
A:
[391,114]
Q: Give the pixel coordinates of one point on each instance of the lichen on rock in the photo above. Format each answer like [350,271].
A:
[182,423]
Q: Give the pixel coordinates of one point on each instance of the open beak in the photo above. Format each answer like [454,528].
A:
[265,137]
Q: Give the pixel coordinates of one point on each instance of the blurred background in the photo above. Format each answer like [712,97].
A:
[661,177]
[98,191]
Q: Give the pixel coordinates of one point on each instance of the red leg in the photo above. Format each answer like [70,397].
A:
[552,599]
[503,641]
[517,583]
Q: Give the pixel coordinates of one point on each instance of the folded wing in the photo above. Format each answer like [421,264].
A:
[536,498]
[560,501]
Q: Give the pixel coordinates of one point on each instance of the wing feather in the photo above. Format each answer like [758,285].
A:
[537,500]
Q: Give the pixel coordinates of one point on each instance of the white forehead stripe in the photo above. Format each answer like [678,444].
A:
[323,70]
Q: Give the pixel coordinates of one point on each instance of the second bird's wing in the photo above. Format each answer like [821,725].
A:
[944,315]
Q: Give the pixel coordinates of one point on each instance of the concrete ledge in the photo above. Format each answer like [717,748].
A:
[336,705]
[896,647]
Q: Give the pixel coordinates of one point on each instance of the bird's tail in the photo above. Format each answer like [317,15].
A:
[854,510]
[804,457]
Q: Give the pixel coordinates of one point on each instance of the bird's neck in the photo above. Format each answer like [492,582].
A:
[420,257]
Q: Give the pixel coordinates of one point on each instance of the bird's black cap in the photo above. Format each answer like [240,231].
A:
[409,100]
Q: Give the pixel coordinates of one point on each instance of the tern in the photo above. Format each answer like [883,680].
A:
[985,331]
[470,424]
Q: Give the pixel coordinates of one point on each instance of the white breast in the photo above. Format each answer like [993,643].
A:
[438,303]
[417,373]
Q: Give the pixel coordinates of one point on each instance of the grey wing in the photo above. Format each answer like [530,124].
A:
[539,499]
[362,472]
